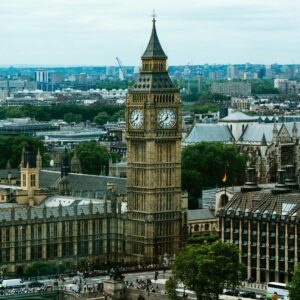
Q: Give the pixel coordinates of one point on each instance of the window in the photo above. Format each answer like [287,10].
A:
[24,180]
[196,228]
[32,180]
[206,227]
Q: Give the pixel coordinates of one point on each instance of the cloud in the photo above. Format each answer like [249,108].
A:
[95,31]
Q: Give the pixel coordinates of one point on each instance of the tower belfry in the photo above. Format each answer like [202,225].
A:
[153,133]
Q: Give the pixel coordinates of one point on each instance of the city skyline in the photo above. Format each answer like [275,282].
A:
[94,32]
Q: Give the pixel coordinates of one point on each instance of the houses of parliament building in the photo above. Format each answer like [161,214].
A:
[141,220]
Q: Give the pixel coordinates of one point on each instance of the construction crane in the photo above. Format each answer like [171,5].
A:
[121,67]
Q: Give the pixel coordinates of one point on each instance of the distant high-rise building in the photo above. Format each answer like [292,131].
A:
[82,78]
[269,72]
[55,77]
[41,76]
[231,72]
[200,84]
[232,88]
[187,71]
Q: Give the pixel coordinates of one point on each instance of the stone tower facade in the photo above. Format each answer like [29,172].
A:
[153,133]
[30,171]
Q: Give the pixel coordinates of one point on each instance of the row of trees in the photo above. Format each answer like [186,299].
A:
[99,113]
[203,164]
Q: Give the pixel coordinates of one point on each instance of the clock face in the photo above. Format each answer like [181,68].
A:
[136,119]
[166,118]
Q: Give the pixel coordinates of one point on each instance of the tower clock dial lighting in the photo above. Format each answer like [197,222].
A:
[136,119]
[166,118]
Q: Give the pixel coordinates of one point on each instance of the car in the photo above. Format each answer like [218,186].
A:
[248,294]
[34,284]
[232,293]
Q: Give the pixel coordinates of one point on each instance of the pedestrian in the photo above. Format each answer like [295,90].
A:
[275,296]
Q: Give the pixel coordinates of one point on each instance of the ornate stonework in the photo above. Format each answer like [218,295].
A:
[153,133]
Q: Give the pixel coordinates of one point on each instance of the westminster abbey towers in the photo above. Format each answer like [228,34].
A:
[153,132]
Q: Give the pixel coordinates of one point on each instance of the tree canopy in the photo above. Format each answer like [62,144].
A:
[204,164]
[11,149]
[43,268]
[68,112]
[294,285]
[209,269]
[94,158]
[101,118]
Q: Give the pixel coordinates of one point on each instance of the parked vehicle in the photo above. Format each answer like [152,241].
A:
[34,284]
[247,294]
[12,283]
[232,293]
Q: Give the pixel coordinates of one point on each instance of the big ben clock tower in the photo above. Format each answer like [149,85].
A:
[153,133]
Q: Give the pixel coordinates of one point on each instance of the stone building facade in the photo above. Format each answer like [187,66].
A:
[269,147]
[76,219]
[264,224]
[153,132]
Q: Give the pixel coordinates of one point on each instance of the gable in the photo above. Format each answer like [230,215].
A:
[283,135]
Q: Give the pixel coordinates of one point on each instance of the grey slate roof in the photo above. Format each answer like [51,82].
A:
[264,203]
[209,133]
[200,214]
[239,117]
[154,49]
[83,182]
[152,82]
[14,173]
[255,132]
[289,126]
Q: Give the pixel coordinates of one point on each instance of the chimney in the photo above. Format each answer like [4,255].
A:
[290,180]
[280,186]
[251,183]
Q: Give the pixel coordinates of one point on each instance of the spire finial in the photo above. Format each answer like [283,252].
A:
[153,17]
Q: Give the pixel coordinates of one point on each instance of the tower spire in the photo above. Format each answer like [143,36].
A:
[154,49]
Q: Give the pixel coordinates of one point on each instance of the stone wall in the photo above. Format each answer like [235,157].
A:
[134,294]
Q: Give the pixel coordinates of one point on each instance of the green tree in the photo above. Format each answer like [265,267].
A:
[209,269]
[93,157]
[294,285]
[170,287]
[101,118]
[11,149]
[203,165]
[43,268]
[72,118]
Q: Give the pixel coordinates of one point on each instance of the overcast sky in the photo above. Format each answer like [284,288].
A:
[94,32]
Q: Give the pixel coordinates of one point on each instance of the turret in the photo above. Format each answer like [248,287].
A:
[8,171]
[39,160]
[30,168]
[263,146]
[65,164]
[75,164]
[274,133]
[295,132]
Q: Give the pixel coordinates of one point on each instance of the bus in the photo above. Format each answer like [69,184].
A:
[279,288]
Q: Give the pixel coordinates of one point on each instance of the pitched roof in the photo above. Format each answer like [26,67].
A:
[200,214]
[209,133]
[264,202]
[83,182]
[154,49]
[255,133]
[239,117]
